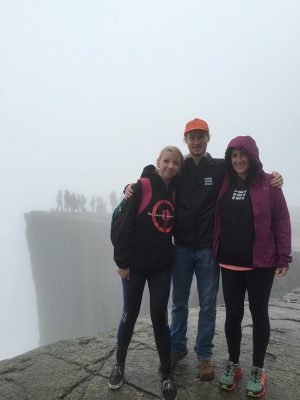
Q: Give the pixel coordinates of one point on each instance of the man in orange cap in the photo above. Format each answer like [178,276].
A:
[196,196]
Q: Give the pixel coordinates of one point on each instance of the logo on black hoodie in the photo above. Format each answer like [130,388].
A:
[163,216]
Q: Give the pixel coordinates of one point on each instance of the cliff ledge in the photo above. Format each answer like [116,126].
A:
[78,369]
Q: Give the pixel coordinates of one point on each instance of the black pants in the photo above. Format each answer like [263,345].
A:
[159,288]
[258,284]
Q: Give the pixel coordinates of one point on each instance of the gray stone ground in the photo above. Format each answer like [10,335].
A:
[78,369]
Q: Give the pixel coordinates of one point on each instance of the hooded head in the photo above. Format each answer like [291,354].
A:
[247,145]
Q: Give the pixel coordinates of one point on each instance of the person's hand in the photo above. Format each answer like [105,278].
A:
[277,180]
[281,271]
[124,273]
[128,191]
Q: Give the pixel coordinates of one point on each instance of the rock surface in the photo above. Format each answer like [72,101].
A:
[78,369]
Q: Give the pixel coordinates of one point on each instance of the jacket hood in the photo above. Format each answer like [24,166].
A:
[149,171]
[247,145]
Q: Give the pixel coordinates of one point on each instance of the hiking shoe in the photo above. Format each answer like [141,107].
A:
[115,380]
[177,357]
[168,389]
[206,370]
[232,374]
[256,383]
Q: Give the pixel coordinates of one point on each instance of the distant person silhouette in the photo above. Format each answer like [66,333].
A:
[73,202]
[92,204]
[67,201]
[78,203]
[82,203]
[59,202]
[113,200]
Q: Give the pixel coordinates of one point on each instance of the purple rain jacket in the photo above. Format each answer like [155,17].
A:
[272,243]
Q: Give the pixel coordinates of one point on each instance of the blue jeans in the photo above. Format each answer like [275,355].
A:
[187,262]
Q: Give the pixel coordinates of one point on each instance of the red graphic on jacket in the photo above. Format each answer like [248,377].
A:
[163,215]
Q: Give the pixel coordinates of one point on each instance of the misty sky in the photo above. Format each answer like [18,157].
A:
[90,91]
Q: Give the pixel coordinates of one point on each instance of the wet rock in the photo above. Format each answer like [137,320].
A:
[78,369]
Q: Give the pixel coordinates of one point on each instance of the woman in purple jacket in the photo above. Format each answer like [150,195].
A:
[252,243]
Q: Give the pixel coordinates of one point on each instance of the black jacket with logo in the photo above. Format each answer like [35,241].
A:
[145,242]
[196,196]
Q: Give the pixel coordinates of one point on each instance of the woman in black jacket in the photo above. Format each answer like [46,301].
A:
[143,251]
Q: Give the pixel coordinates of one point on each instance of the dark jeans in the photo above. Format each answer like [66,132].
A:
[258,284]
[159,288]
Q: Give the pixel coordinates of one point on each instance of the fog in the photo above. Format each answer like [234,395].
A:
[90,91]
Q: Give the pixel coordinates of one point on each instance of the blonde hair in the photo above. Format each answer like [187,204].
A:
[176,153]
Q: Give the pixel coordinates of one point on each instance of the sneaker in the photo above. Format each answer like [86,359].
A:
[177,357]
[206,370]
[232,374]
[115,380]
[256,383]
[168,389]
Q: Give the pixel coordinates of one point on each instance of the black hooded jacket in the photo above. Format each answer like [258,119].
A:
[196,196]
[145,242]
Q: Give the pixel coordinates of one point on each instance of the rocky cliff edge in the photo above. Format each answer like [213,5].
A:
[78,369]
